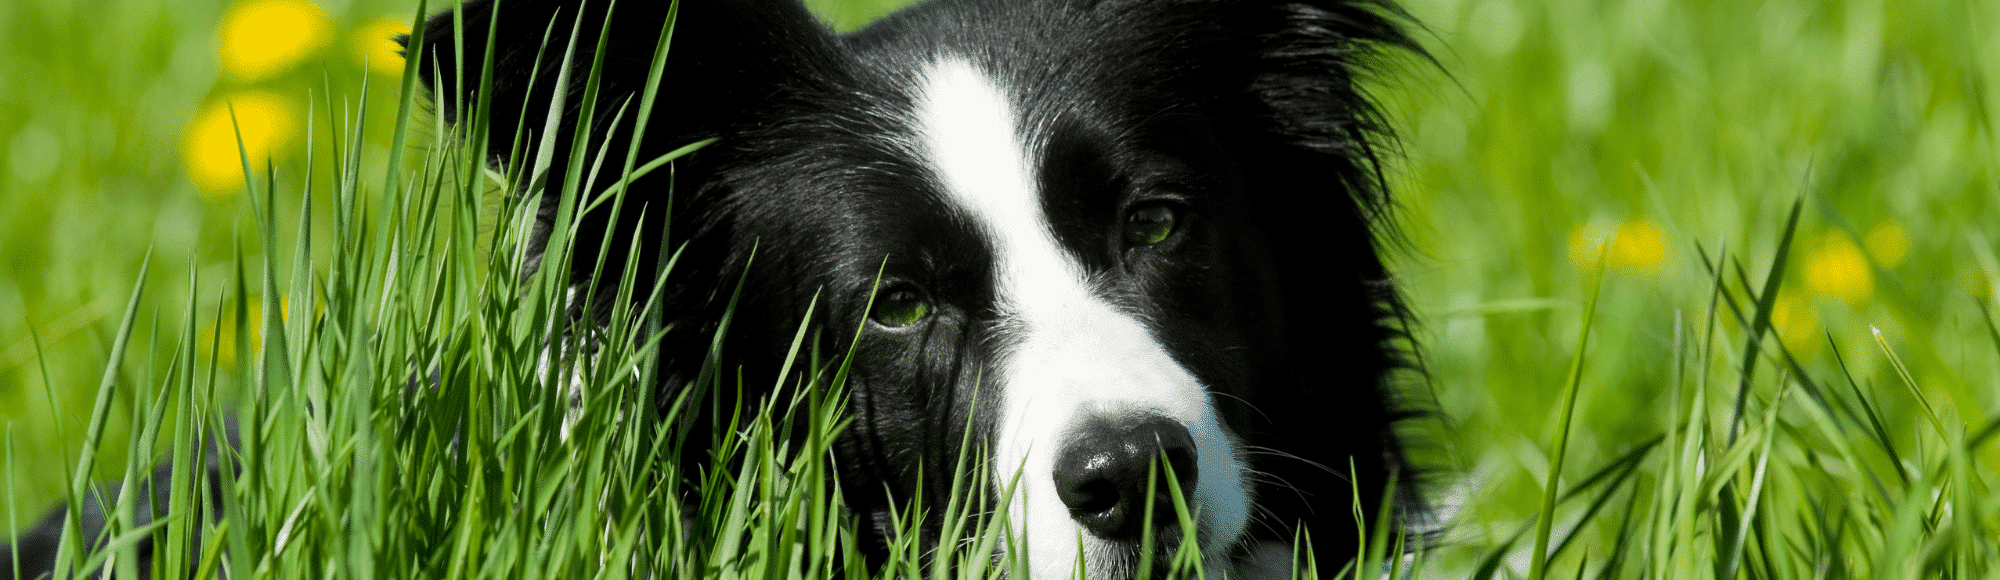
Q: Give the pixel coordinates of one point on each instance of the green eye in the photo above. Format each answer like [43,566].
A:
[1149,224]
[899,306]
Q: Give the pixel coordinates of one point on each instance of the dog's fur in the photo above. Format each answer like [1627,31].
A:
[985,157]
[1005,167]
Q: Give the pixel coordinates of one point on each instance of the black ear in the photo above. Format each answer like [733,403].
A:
[1284,79]
[1302,83]
[727,60]
[1289,74]
[727,57]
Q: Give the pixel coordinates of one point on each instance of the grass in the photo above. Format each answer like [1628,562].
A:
[1710,284]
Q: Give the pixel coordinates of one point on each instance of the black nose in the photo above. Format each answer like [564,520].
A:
[1101,474]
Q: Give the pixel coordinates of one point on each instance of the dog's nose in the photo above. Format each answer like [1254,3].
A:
[1101,474]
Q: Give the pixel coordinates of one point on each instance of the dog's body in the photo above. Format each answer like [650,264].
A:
[1105,231]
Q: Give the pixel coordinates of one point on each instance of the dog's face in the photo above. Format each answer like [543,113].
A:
[1101,237]
[1068,283]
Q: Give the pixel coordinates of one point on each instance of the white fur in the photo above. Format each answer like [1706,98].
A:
[574,375]
[1074,354]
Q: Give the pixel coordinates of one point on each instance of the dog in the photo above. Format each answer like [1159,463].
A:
[1109,239]
[1094,232]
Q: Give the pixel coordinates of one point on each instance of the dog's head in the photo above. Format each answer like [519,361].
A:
[1091,233]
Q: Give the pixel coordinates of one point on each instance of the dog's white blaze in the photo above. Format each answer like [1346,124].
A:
[1074,353]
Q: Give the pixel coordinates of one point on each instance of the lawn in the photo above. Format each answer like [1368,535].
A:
[1718,279]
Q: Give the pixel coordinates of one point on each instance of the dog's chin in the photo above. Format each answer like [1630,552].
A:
[1156,557]
[1112,559]
[1130,560]
[1249,560]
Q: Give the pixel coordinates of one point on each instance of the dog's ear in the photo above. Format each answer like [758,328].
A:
[727,62]
[1291,73]
[1283,79]
[1306,79]
[727,57]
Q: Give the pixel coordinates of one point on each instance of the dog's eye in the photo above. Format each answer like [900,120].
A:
[900,305]
[1149,224]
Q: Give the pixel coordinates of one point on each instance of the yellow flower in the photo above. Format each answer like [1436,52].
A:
[1888,244]
[1641,245]
[1636,245]
[223,336]
[266,122]
[1792,317]
[375,44]
[1838,268]
[261,38]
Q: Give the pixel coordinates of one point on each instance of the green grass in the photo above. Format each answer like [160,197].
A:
[1710,388]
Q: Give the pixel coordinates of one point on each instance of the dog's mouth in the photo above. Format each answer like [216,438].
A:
[1167,552]
[1162,558]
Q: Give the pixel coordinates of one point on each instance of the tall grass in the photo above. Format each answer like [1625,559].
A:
[397,417]
[1735,408]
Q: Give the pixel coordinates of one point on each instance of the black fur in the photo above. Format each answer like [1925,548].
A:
[1245,115]
[37,549]
[1255,100]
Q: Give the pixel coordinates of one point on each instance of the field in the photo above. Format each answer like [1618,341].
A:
[1715,280]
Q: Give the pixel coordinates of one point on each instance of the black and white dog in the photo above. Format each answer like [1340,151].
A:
[1106,232]
[1118,229]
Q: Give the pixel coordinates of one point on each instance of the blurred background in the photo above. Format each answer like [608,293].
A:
[1549,144]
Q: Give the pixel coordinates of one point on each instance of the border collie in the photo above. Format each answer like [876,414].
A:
[1091,233]
[1105,231]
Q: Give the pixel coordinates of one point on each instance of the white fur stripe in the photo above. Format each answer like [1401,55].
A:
[1074,354]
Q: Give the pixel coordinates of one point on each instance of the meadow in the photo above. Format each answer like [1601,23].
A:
[1711,284]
